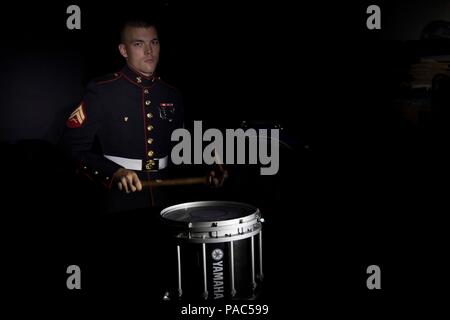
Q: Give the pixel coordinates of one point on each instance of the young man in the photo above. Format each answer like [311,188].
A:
[130,115]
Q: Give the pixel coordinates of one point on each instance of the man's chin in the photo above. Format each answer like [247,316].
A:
[148,71]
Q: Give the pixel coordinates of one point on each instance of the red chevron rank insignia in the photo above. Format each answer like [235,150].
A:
[77,117]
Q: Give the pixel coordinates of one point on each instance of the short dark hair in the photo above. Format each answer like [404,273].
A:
[135,23]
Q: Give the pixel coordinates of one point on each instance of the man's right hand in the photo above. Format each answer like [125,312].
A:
[127,180]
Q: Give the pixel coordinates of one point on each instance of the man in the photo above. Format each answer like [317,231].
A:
[120,136]
[130,115]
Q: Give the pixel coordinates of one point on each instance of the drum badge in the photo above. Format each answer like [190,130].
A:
[166,110]
[217,254]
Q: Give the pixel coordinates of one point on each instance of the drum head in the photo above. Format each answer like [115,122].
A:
[206,213]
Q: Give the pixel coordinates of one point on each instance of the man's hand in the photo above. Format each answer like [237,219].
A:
[127,180]
[217,178]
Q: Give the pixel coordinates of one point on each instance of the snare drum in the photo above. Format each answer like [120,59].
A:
[216,250]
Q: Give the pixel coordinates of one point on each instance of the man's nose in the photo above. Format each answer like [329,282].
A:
[148,49]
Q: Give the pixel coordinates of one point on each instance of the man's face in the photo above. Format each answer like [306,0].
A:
[141,49]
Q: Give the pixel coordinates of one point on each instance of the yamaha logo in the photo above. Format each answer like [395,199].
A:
[217,254]
[217,270]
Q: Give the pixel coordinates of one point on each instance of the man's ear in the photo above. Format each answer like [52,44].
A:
[123,50]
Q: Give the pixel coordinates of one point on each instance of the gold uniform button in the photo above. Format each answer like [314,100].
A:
[146,91]
[150,128]
[150,141]
[138,79]
[150,153]
[96,172]
[147,102]
[149,115]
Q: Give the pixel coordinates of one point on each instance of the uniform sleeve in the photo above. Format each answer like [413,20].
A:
[79,138]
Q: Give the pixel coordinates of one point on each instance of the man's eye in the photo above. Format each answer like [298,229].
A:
[138,44]
[155,42]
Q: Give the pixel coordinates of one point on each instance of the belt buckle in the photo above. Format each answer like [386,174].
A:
[151,165]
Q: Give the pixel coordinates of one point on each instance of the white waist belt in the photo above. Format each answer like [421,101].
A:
[136,164]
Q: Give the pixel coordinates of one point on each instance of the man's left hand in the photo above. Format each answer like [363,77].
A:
[216,178]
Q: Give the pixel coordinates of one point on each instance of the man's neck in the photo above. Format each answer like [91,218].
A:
[146,75]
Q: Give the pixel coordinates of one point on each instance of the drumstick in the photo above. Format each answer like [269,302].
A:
[183,181]
[218,161]
[174,182]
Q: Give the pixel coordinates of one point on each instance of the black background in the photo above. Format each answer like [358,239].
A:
[358,185]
